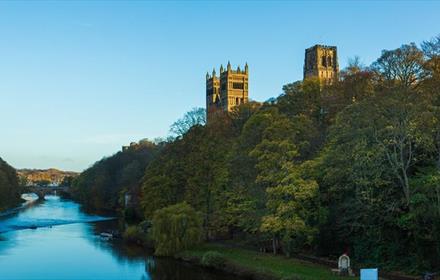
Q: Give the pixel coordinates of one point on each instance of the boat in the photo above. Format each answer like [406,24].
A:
[106,236]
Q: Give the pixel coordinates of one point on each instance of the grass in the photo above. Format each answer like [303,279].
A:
[259,262]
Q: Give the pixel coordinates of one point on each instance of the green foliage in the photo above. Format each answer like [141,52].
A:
[9,187]
[134,234]
[378,171]
[193,169]
[176,228]
[103,186]
[195,117]
[213,259]
[292,214]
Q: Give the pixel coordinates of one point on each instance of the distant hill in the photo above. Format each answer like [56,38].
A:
[44,176]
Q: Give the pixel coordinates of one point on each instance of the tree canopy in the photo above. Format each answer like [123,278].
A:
[9,187]
[176,228]
[104,185]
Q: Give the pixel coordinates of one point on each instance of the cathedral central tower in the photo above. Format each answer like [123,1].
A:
[228,90]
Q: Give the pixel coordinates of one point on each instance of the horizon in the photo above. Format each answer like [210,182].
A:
[82,79]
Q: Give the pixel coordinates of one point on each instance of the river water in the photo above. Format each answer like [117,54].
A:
[55,239]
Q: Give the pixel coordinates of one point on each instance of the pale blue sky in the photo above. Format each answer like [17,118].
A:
[79,79]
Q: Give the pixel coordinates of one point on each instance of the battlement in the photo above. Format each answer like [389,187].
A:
[322,47]
[227,70]
[321,61]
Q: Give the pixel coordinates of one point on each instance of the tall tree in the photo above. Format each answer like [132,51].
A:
[400,67]
[197,116]
[292,211]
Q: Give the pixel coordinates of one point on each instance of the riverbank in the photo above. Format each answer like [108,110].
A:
[250,264]
[25,201]
[255,265]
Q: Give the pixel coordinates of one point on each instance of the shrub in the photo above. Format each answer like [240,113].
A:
[213,259]
[134,234]
[145,226]
[176,228]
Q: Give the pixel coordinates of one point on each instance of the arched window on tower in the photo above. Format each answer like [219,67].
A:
[323,61]
[329,61]
[237,101]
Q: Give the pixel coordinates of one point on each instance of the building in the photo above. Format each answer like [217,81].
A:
[132,145]
[227,90]
[321,62]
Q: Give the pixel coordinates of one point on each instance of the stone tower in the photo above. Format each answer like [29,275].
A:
[321,62]
[212,94]
[228,90]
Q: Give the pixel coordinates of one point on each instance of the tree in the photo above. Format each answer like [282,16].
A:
[9,188]
[356,187]
[103,186]
[302,98]
[400,67]
[241,114]
[292,211]
[431,48]
[431,86]
[245,197]
[176,228]
[396,132]
[357,83]
[193,168]
[207,186]
[275,156]
[197,116]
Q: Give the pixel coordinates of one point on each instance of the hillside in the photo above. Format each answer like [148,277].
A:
[45,176]
[9,190]
[103,185]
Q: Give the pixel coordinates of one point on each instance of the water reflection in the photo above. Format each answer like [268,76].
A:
[66,245]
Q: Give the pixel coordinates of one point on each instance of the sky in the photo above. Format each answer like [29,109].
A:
[79,79]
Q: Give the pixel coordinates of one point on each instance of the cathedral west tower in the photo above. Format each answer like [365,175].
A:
[321,62]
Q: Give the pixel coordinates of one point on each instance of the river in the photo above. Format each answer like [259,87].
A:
[55,239]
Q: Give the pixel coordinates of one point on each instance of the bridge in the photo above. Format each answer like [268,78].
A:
[42,191]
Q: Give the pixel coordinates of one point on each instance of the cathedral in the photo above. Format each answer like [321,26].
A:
[230,87]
